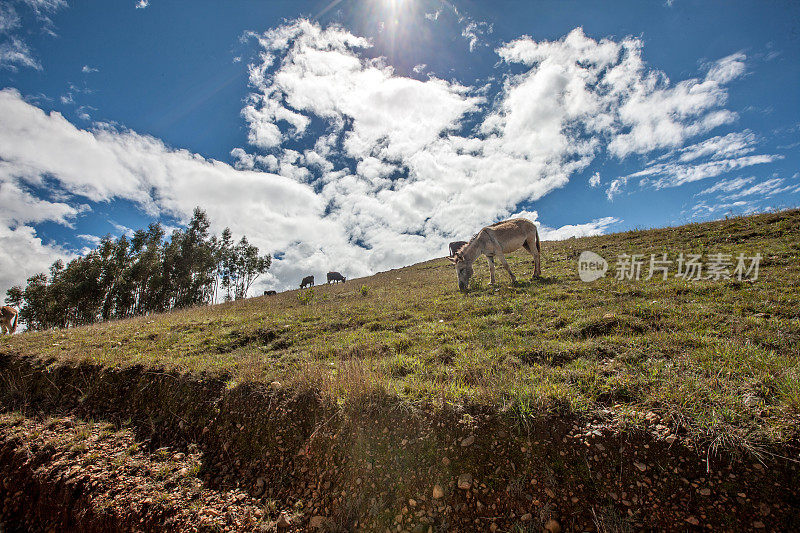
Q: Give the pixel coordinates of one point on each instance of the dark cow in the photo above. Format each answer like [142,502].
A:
[335,277]
[456,246]
[270,293]
[308,281]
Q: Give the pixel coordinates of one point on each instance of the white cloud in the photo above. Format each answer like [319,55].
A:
[595,227]
[594,180]
[674,174]
[141,4]
[94,240]
[24,254]
[731,145]
[727,185]
[728,68]
[395,171]
[9,19]
[15,53]
[474,32]
[766,189]
[86,69]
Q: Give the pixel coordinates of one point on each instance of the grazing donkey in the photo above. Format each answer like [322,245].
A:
[270,293]
[7,314]
[495,240]
[455,246]
[336,277]
[308,281]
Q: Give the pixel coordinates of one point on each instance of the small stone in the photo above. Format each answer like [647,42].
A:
[468,441]
[179,456]
[694,521]
[550,493]
[705,492]
[317,521]
[527,517]
[438,492]
[552,526]
[260,482]
[284,521]
[412,502]
[445,461]
[493,527]
[640,466]
[465,481]
[758,525]
[275,385]
[670,439]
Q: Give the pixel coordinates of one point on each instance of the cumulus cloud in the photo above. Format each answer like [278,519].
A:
[594,181]
[24,254]
[595,227]
[352,167]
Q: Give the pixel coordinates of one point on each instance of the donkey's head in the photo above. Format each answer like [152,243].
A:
[463,269]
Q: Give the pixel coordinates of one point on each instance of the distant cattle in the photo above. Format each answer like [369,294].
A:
[308,281]
[335,277]
[456,246]
[270,293]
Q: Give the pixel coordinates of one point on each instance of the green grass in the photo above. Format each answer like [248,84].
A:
[719,358]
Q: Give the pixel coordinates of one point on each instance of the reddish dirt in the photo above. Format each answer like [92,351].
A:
[376,465]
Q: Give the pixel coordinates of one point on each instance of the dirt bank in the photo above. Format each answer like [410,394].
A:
[87,447]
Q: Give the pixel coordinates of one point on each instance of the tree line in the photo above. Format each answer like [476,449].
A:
[145,274]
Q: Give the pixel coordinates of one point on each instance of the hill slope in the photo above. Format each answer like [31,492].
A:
[721,356]
[398,378]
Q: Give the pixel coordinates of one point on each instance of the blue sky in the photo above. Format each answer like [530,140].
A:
[361,136]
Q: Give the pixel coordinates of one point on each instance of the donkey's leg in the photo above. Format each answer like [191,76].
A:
[491,267]
[508,268]
[531,248]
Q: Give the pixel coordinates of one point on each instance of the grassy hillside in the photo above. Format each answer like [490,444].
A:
[718,359]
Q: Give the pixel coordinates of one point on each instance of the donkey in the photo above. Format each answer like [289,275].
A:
[495,240]
[336,277]
[7,315]
[456,246]
[308,281]
[270,293]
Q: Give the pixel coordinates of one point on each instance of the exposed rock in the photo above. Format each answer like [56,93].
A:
[552,526]
[284,521]
[641,467]
[465,481]
[468,441]
[693,520]
[438,492]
